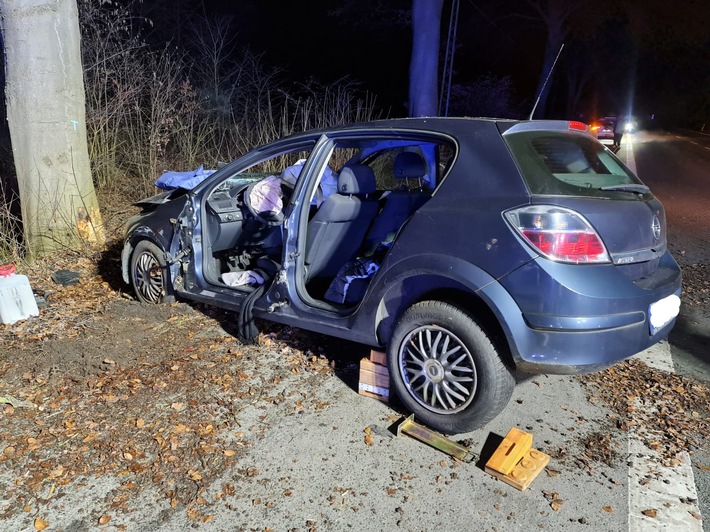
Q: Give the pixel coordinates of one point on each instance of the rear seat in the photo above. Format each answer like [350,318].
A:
[349,285]
[399,205]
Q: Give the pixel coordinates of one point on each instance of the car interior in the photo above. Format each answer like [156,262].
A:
[359,202]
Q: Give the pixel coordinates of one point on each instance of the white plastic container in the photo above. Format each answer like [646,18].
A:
[17,302]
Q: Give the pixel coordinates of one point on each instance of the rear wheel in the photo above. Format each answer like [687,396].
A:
[148,272]
[446,370]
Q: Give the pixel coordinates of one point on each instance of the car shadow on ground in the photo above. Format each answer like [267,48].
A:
[109,267]
[343,356]
[691,334]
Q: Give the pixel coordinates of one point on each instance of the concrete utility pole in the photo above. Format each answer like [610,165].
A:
[47,120]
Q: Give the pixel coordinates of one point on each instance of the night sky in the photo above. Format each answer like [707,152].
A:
[630,56]
[309,39]
[641,57]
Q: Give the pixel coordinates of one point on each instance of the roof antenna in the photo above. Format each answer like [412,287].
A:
[545,84]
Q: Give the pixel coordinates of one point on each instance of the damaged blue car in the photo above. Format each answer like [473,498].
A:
[470,250]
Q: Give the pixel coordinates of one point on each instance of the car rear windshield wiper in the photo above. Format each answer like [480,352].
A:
[635,188]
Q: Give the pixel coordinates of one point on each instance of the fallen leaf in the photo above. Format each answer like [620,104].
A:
[40,524]
[368,436]
[177,406]
[230,452]
[550,495]
[650,512]
[557,504]
[140,423]
[104,519]
[194,475]
[608,509]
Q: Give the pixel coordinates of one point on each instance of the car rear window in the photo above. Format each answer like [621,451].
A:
[561,163]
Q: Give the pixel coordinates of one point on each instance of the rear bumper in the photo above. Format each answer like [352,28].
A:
[570,352]
[559,321]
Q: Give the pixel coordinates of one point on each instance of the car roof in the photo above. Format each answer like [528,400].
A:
[448,125]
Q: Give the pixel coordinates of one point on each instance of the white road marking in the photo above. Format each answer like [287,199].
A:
[653,486]
[669,491]
[629,152]
[658,357]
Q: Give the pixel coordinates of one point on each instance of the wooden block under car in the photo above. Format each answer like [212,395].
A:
[374,380]
[378,357]
[525,471]
[510,451]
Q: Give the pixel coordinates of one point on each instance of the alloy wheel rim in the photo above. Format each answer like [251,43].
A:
[437,369]
[149,277]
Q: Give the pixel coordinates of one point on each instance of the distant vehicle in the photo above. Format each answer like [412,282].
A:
[467,249]
[604,128]
[630,125]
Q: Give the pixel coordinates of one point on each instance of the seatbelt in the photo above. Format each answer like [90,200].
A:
[246,328]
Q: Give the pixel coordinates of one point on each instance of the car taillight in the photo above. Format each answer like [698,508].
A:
[558,233]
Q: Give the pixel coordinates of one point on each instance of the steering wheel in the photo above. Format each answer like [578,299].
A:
[270,218]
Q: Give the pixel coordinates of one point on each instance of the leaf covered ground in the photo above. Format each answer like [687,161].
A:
[99,385]
[164,398]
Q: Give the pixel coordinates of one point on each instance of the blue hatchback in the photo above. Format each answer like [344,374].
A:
[468,249]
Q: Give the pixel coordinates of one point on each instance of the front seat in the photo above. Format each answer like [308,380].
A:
[337,230]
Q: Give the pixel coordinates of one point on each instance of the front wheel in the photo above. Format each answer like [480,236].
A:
[148,272]
[446,370]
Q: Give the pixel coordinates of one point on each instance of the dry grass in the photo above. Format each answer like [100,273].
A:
[152,110]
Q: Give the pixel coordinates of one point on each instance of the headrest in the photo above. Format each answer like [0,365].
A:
[357,179]
[409,164]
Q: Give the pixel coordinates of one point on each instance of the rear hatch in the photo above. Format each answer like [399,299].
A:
[566,167]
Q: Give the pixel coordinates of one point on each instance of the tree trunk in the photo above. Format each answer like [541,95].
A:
[46,116]
[423,68]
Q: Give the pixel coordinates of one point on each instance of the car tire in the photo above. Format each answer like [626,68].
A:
[456,393]
[149,272]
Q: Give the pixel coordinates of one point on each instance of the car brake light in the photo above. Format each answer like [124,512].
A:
[579,126]
[558,234]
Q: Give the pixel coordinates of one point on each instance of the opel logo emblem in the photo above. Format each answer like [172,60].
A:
[656,227]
